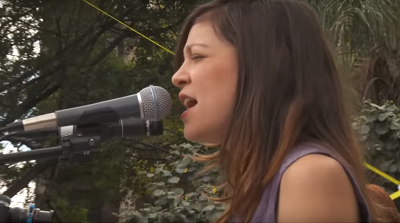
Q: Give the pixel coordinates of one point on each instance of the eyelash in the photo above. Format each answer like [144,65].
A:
[195,57]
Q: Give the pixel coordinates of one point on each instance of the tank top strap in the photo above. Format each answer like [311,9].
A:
[266,211]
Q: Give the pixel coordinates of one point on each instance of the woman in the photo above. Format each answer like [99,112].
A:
[258,80]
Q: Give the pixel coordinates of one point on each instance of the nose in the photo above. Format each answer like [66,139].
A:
[181,78]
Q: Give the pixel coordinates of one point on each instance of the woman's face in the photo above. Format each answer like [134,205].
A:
[208,81]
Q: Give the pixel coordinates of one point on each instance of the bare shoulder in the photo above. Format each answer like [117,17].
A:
[316,188]
[314,166]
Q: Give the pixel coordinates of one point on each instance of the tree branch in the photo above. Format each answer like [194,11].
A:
[105,27]
[74,44]
[148,158]
[105,52]
[30,101]
[56,212]
[179,141]
[34,98]
[28,176]
[152,32]
[151,146]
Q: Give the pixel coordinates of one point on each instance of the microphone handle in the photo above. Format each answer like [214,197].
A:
[133,127]
[129,127]
[102,112]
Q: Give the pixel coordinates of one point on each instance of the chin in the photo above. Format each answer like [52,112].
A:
[191,136]
[204,138]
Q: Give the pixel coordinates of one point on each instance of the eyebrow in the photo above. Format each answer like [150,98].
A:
[196,44]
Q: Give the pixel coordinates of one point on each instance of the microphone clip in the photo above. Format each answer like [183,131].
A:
[77,149]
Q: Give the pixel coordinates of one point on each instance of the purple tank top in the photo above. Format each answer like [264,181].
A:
[267,209]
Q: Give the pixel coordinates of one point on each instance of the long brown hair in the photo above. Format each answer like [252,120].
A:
[288,92]
[379,196]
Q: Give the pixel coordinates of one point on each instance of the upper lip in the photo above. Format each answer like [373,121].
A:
[182,98]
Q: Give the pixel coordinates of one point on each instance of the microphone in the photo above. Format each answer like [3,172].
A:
[152,103]
[130,127]
[82,140]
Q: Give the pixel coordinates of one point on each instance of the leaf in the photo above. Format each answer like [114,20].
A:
[185,203]
[191,169]
[157,170]
[186,160]
[173,180]
[393,168]
[381,128]
[150,175]
[186,145]
[363,138]
[159,184]
[391,108]
[385,165]
[152,187]
[394,125]
[206,179]
[178,169]
[162,201]
[196,207]
[214,215]
[210,207]
[391,145]
[364,129]
[178,191]
[370,118]
[158,192]
[220,207]
[175,152]
[190,195]
[137,217]
[152,216]
[171,197]
[166,173]
[383,116]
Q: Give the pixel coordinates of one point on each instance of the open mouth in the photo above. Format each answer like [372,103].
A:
[189,102]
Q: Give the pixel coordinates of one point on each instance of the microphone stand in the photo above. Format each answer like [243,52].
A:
[85,139]
[69,146]
[74,140]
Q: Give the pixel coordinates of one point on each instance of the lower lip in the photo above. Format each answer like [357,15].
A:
[184,114]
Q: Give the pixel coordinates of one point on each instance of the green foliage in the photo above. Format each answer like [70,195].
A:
[71,213]
[379,127]
[379,131]
[178,192]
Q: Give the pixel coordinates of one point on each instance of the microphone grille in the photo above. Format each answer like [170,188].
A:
[156,103]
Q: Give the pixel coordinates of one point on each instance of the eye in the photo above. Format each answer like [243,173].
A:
[197,57]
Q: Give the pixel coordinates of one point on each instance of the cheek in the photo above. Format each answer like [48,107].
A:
[217,83]
[224,98]
[228,85]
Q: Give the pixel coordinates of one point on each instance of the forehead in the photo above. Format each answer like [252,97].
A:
[202,32]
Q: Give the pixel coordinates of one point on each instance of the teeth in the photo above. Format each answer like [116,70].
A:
[189,102]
